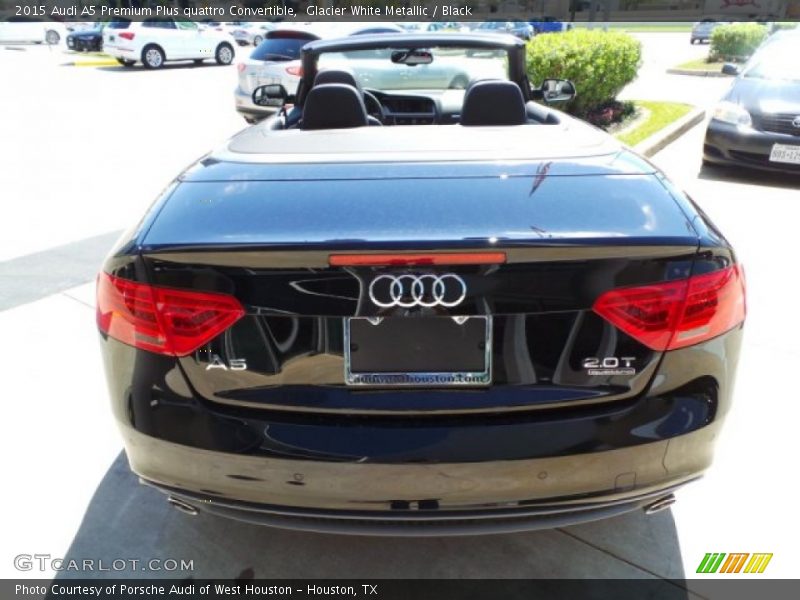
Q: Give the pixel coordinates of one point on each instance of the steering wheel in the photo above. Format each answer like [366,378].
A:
[373,105]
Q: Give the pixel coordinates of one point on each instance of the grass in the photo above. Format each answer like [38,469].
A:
[660,115]
[701,64]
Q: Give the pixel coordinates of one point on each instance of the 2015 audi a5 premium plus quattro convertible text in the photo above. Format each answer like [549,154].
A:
[419,310]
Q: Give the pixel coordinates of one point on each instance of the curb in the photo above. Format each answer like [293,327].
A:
[697,73]
[100,62]
[661,139]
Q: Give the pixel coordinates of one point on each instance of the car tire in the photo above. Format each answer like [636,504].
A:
[459,82]
[257,40]
[224,54]
[51,37]
[126,63]
[153,57]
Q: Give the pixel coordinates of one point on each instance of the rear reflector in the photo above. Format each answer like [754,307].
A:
[296,71]
[402,260]
[127,35]
[675,314]
[162,320]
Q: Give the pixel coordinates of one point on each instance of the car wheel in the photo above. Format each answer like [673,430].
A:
[224,54]
[460,82]
[153,57]
[125,63]
[257,40]
[52,37]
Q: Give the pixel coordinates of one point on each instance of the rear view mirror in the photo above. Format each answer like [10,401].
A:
[557,90]
[273,95]
[730,69]
[412,58]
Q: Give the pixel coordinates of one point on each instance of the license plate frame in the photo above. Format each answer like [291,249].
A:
[785,153]
[389,378]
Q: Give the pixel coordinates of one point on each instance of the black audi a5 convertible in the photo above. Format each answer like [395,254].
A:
[430,307]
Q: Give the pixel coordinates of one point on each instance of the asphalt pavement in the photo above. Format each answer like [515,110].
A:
[86,149]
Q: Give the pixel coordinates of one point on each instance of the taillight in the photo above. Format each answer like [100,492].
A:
[296,71]
[127,35]
[675,314]
[241,67]
[162,320]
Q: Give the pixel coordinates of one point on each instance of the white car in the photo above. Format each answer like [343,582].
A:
[156,41]
[27,29]
[251,33]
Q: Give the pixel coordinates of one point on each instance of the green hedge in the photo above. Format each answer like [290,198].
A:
[736,41]
[599,63]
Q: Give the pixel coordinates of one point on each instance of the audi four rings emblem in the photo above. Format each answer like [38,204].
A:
[427,290]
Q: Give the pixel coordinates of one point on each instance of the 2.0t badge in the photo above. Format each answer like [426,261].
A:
[609,365]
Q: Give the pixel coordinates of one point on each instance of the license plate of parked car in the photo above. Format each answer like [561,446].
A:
[785,153]
[427,351]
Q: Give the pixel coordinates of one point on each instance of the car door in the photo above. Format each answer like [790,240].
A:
[22,29]
[195,43]
[164,33]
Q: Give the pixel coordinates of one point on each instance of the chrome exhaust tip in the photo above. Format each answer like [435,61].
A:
[659,505]
[182,506]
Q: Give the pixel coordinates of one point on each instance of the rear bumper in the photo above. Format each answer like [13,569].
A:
[421,521]
[435,499]
[726,144]
[377,474]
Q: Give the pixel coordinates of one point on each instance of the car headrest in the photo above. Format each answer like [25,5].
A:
[333,106]
[493,102]
[337,76]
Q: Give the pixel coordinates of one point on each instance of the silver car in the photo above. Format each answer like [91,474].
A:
[701,32]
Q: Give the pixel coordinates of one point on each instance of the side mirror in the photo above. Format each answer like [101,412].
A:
[273,95]
[730,69]
[557,90]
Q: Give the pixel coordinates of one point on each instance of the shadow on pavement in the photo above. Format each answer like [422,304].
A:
[172,66]
[745,175]
[126,520]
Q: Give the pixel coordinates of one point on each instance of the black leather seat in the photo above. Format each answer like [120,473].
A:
[334,106]
[336,76]
[493,102]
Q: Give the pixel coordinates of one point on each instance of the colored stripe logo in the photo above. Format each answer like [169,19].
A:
[736,562]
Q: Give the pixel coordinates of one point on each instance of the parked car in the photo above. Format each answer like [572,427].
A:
[520,29]
[251,34]
[275,60]
[547,24]
[701,32]
[757,122]
[30,30]
[154,42]
[420,312]
[87,39]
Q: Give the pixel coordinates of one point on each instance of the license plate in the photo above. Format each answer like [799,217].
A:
[418,351]
[784,153]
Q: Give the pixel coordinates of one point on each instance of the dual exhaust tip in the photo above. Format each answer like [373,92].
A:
[659,505]
[181,505]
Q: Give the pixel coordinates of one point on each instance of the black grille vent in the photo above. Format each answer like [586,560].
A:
[778,123]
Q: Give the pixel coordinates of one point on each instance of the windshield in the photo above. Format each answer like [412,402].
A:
[447,68]
[778,62]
